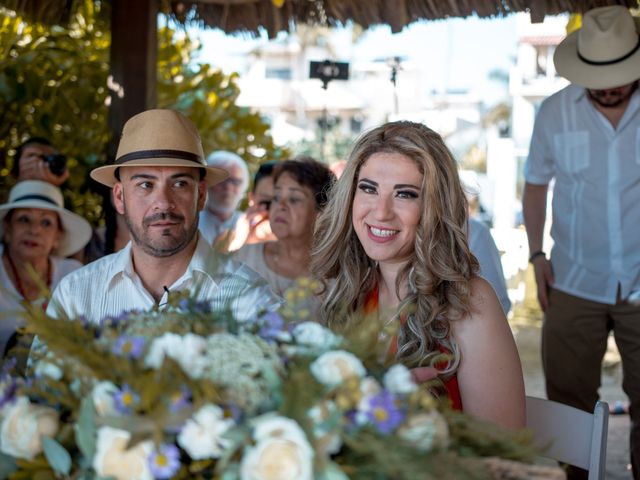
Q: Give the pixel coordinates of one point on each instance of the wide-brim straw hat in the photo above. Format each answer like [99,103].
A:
[604,53]
[159,138]
[37,194]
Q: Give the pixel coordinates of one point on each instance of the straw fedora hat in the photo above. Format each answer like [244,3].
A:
[604,53]
[159,138]
[37,194]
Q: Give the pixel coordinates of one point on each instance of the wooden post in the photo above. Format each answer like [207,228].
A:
[133,63]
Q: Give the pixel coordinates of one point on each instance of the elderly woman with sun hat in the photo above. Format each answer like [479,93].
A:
[37,232]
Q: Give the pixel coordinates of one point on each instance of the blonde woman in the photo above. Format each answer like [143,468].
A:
[392,241]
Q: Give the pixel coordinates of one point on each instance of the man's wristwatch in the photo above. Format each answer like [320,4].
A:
[536,254]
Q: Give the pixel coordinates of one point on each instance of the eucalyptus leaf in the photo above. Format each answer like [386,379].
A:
[331,472]
[85,429]
[231,473]
[57,456]
[7,465]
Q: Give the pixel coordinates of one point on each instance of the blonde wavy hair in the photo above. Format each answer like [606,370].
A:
[441,267]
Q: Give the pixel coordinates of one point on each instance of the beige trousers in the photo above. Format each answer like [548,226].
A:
[574,341]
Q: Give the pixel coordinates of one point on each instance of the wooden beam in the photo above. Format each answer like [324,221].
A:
[133,63]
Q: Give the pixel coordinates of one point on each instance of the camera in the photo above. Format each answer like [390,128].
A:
[56,162]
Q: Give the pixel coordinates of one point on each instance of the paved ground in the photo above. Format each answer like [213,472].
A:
[526,328]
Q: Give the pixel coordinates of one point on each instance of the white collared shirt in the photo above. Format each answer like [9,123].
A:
[211,226]
[596,196]
[110,286]
[484,248]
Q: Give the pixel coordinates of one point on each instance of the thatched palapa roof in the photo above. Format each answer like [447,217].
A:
[280,15]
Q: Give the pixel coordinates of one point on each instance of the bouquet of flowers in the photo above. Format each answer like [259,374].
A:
[186,392]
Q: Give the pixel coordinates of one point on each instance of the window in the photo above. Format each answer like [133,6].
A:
[281,73]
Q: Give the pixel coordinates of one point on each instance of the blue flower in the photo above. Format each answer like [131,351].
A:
[202,307]
[271,326]
[8,384]
[194,306]
[384,412]
[126,346]
[180,399]
[165,462]
[115,321]
[125,400]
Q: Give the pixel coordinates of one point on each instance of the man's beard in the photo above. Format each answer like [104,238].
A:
[612,101]
[168,244]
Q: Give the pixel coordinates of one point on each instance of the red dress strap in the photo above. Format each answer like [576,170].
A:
[451,385]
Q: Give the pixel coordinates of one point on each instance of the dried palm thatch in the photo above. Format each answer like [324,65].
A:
[281,15]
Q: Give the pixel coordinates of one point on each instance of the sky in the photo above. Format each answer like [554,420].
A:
[461,52]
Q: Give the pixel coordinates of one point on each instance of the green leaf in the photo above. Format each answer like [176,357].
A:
[85,429]
[7,465]
[332,472]
[57,456]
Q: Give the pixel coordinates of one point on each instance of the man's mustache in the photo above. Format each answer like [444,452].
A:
[162,216]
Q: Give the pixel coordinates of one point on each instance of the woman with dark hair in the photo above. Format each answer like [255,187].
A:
[300,193]
[391,245]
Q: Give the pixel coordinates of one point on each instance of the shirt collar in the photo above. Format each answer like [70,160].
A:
[579,93]
[122,264]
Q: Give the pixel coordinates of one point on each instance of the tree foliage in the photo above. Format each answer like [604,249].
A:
[54,82]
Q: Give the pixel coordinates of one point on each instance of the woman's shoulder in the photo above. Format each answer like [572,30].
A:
[484,307]
[482,294]
[65,265]
[252,254]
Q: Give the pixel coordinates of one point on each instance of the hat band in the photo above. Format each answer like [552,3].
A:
[146,154]
[35,197]
[615,60]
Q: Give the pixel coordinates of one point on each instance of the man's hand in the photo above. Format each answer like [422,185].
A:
[33,167]
[544,280]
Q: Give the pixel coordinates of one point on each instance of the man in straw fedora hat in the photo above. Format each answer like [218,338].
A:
[587,137]
[159,181]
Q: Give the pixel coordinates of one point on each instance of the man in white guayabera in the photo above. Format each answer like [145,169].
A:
[587,137]
[159,181]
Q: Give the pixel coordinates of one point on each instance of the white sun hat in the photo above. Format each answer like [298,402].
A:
[37,194]
[604,53]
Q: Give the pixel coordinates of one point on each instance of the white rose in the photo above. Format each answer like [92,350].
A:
[333,368]
[187,350]
[112,459]
[425,431]
[281,452]
[369,387]
[48,369]
[312,334]
[324,427]
[202,436]
[398,380]
[23,427]
[103,400]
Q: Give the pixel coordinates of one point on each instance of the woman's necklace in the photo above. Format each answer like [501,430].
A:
[18,281]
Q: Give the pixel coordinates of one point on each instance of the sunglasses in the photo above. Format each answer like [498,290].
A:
[236,182]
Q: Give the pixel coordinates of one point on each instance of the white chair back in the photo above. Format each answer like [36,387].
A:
[570,435]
